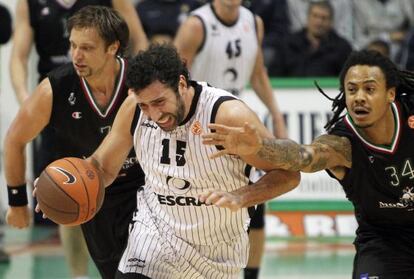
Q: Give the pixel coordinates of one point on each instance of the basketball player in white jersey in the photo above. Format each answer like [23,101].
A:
[221,43]
[175,234]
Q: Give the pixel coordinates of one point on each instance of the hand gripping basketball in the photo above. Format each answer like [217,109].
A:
[69,191]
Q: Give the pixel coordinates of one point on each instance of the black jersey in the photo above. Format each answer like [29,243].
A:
[380,183]
[48,19]
[160,17]
[80,124]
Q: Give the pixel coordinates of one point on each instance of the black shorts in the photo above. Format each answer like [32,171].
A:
[106,234]
[258,219]
[379,259]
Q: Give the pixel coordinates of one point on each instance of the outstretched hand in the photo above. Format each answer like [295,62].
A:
[235,140]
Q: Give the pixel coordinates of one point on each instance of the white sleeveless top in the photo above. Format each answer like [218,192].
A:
[228,54]
[177,169]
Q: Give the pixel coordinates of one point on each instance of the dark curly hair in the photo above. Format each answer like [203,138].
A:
[110,25]
[160,62]
[403,81]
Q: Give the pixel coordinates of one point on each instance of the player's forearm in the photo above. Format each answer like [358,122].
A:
[138,39]
[14,162]
[263,89]
[19,80]
[285,154]
[279,123]
[271,185]
[105,176]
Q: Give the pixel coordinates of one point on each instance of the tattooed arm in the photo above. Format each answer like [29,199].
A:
[325,152]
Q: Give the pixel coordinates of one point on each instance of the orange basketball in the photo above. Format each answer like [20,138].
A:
[69,191]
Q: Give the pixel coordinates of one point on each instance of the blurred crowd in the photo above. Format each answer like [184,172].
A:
[307,37]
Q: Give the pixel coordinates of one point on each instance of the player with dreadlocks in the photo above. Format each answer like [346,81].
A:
[369,150]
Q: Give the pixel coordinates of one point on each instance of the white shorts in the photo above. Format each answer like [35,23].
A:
[159,256]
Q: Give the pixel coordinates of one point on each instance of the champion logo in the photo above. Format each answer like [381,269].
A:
[77,114]
[70,177]
[410,121]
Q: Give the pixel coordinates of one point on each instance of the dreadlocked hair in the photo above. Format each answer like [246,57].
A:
[403,81]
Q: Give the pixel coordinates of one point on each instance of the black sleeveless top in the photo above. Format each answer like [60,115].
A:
[80,124]
[48,19]
[380,183]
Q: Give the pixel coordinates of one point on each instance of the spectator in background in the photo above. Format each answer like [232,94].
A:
[316,50]
[43,23]
[5,34]
[407,53]
[161,18]
[388,20]
[276,27]
[380,46]
[342,23]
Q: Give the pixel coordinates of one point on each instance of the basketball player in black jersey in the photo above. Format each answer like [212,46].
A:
[43,23]
[79,101]
[369,150]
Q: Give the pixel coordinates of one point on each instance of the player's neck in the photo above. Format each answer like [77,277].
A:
[381,132]
[227,14]
[103,82]
[188,97]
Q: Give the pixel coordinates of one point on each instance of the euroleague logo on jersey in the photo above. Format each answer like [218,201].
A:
[410,121]
[196,129]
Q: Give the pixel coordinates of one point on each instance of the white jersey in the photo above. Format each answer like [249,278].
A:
[177,168]
[228,54]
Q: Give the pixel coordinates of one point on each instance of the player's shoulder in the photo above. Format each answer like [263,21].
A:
[195,23]
[341,129]
[63,72]
[234,112]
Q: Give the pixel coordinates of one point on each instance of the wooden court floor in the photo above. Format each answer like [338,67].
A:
[36,254]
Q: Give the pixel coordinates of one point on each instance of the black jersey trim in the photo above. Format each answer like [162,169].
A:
[197,92]
[247,172]
[217,105]
[221,21]
[203,42]
[135,120]
[215,109]
[115,97]
[390,149]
